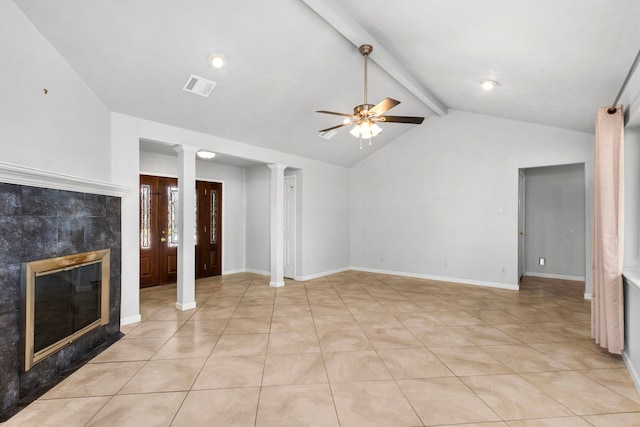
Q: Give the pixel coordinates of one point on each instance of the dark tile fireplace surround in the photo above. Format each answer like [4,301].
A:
[39,223]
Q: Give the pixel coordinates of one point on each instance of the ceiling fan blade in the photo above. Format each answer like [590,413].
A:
[401,119]
[334,127]
[334,113]
[384,105]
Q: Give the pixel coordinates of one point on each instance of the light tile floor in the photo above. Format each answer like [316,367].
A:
[352,349]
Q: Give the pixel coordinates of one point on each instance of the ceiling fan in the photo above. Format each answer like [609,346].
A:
[366,116]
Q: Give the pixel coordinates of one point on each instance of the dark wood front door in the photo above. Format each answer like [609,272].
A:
[208,229]
[158,236]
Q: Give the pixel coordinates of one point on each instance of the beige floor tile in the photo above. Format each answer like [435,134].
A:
[344,340]
[235,407]
[576,356]
[411,363]
[418,320]
[164,375]
[130,350]
[324,309]
[457,318]
[295,368]
[149,410]
[377,321]
[485,335]
[58,412]
[155,329]
[350,366]
[202,327]
[254,325]
[496,317]
[293,342]
[296,323]
[241,344]
[615,420]
[360,404]
[214,312]
[392,338]
[513,398]
[95,379]
[552,422]
[617,380]
[581,394]
[523,358]
[186,347]
[434,304]
[446,401]
[296,405]
[435,337]
[335,323]
[171,313]
[464,361]
[230,372]
[281,310]
[251,311]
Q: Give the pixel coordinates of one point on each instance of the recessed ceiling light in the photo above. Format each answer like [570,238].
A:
[488,84]
[216,60]
[205,154]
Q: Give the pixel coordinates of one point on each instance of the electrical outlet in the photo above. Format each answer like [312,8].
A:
[541,261]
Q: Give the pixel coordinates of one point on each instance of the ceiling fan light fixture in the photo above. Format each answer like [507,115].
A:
[488,84]
[365,130]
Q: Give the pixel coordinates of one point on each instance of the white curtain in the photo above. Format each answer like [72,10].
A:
[607,308]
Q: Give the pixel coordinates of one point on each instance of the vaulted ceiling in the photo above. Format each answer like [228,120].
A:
[556,61]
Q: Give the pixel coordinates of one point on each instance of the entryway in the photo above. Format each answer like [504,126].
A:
[159,234]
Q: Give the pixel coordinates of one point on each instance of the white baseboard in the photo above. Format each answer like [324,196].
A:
[239,270]
[261,272]
[130,319]
[631,369]
[441,278]
[587,296]
[185,307]
[323,274]
[555,276]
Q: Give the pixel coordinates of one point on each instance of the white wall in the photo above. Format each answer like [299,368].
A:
[233,200]
[555,222]
[65,131]
[258,214]
[442,201]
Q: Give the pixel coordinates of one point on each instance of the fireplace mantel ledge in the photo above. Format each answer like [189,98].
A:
[21,175]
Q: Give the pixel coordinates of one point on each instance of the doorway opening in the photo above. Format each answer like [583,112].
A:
[159,234]
[552,222]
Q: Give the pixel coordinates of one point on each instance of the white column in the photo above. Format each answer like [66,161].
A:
[277,225]
[186,218]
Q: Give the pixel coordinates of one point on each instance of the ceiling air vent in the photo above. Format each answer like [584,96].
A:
[199,86]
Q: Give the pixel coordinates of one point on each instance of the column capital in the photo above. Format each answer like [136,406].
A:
[185,149]
[277,166]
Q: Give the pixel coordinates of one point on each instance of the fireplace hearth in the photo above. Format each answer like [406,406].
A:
[39,223]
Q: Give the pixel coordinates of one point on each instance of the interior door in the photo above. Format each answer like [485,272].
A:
[158,234]
[289,226]
[521,224]
[208,229]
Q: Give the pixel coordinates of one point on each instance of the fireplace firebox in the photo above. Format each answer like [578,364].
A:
[63,299]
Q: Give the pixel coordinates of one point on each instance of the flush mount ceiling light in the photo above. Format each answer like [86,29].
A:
[205,154]
[488,84]
[217,60]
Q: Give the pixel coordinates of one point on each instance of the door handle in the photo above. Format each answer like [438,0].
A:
[162,239]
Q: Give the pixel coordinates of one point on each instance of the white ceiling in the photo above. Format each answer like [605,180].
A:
[557,61]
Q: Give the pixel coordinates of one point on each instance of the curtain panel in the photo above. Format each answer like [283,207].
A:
[607,305]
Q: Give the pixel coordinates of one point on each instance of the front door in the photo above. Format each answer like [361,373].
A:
[208,229]
[158,235]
